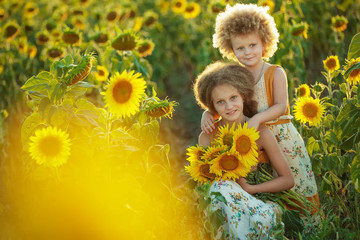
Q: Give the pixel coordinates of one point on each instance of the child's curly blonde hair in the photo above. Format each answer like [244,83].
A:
[243,19]
[220,73]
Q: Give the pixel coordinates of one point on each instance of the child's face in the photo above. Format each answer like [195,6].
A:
[248,49]
[228,102]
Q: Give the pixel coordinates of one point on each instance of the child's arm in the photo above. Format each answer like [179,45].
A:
[280,101]
[204,139]
[207,122]
[285,179]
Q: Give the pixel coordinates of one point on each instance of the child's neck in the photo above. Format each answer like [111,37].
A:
[257,70]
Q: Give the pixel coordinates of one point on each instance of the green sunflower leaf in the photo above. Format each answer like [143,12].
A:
[355,172]
[354,48]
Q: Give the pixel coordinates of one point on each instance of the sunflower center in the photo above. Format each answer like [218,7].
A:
[205,171]
[50,146]
[122,91]
[243,144]
[228,139]
[71,38]
[310,110]
[149,21]
[199,155]
[298,32]
[339,23]
[331,63]
[54,53]
[144,48]
[178,4]
[10,30]
[354,73]
[101,73]
[302,92]
[190,9]
[229,162]
[30,10]
[111,16]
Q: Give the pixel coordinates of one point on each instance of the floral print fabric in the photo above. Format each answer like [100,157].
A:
[245,217]
[292,146]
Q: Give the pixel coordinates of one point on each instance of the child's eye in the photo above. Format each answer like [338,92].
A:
[220,102]
[240,48]
[253,45]
[233,97]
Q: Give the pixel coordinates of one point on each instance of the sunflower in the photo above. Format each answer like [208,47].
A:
[124,92]
[354,75]
[55,53]
[157,108]
[126,41]
[50,147]
[163,6]
[32,50]
[245,144]
[339,23]
[150,17]
[79,22]
[145,47]
[225,135]
[195,153]
[72,37]
[229,165]
[331,63]
[216,7]
[300,29]
[11,29]
[22,45]
[102,73]
[112,16]
[200,171]
[213,151]
[42,38]
[3,14]
[178,6]
[192,10]
[267,3]
[309,110]
[303,91]
[101,38]
[30,10]
[138,23]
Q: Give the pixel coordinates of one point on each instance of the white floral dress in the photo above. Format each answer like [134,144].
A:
[291,144]
[245,217]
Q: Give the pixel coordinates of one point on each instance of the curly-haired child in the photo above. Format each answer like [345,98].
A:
[247,33]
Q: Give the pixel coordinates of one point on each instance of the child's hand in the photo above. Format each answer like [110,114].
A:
[207,122]
[254,122]
[245,185]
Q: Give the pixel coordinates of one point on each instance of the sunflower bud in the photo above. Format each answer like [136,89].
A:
[81,71]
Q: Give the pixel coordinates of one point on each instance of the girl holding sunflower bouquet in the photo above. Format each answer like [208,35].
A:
[227,89]
[247,33]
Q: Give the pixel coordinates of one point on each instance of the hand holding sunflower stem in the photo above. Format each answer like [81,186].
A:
[289,198]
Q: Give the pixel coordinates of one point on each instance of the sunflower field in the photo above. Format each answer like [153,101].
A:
[97,111]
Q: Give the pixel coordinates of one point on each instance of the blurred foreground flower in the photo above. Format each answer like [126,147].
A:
[309,110]
[225,135]
[124,92]
[331,63]
[50,147]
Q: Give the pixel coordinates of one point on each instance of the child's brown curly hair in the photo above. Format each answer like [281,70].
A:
[219,73]
[243,19]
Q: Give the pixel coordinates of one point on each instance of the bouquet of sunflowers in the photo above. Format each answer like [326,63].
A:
[231,155]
